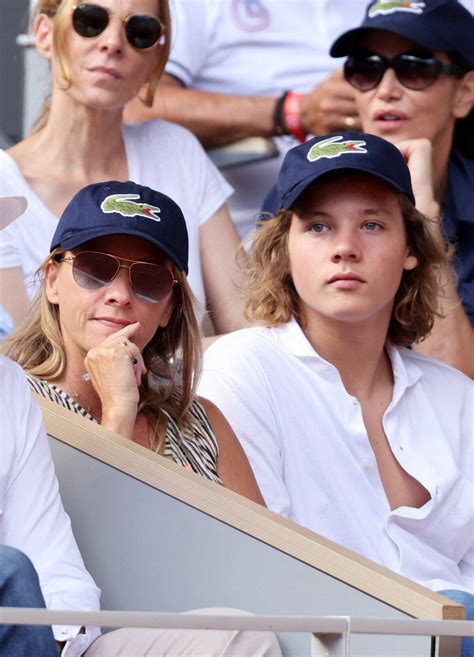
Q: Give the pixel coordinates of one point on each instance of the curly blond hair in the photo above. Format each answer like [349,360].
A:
[270,297]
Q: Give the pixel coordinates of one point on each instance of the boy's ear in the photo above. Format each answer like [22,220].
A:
[411,262]
[463,101]
[43,32]
[51,271]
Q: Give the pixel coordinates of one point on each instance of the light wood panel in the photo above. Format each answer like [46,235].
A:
[246,516]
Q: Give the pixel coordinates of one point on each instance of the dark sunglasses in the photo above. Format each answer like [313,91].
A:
[364,71]
[92,270]
[142,31]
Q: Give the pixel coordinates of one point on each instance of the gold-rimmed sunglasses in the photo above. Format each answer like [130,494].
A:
[93,269]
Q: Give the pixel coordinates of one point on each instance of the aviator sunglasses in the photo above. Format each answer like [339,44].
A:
[142,31]
[93,269]
[364,71]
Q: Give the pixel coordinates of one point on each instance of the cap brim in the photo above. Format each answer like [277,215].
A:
[87,235]
[11,207]
[348,43]
[296,192]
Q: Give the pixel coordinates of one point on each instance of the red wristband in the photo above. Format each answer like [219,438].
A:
[291,116]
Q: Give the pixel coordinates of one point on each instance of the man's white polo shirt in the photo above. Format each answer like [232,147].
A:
[306,441]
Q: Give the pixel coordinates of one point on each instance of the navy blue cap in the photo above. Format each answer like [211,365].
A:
[347,151]
[443,25]
[124,208]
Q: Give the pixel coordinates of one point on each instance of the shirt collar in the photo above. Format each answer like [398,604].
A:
[405,369]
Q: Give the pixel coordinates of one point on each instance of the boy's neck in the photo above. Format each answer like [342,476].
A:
[356,350]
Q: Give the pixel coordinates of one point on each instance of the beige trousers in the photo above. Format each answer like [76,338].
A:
[129,642]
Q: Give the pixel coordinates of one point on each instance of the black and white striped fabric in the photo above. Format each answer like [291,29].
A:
[195,448]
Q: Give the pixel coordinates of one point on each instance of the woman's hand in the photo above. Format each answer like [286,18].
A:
[418,155]
[116,369]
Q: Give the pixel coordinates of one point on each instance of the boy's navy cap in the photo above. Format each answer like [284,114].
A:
[443,25]
[347,151]
[124,208]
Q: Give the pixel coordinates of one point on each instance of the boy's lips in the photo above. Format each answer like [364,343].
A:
[346,281]
[346,276]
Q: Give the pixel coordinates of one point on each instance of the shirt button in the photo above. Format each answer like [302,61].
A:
[366,463]
[323,369]
[355,401]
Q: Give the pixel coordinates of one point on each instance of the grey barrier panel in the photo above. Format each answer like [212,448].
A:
[151,552]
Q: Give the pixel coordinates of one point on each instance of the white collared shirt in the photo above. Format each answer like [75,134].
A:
[32,517]
[307,443]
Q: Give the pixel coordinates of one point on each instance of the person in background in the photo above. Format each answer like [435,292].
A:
[326,399]
[412,70]
[101,54]
[35,529]
[10,209]
[254,68]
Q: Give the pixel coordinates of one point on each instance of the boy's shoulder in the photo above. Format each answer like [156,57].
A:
[249,340]
[434,370]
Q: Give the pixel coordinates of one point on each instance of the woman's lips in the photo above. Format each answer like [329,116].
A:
[388,120]
[111,322]
[106,73]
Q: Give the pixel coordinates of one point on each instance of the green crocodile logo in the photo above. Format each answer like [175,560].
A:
[333,147]
[390,6]
[124,205]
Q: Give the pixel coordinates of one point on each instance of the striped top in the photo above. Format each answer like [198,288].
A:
[194,448]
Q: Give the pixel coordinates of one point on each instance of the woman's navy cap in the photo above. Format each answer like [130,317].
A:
[124,208]
[443,25]
[347,151]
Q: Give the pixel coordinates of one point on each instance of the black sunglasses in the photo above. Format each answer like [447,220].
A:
[93,269]
[142,31]
[364,71]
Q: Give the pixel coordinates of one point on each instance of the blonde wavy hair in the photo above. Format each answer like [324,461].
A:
[173,356]
[270,297]
[60,12]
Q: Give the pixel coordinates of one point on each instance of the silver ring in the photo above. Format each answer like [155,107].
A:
[123,343]
[349,121]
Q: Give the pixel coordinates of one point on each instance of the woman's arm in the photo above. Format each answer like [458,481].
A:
[219,245]
[452,336]
[232,465]
[13,295]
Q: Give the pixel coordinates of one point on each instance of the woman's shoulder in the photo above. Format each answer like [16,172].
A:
[53,393]
[12,182]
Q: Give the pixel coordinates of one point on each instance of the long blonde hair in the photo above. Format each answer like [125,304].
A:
[173,356]
[270,297]
[57,10]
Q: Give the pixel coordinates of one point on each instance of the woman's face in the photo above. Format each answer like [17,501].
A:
[395,112]
[106,71]
[88,317]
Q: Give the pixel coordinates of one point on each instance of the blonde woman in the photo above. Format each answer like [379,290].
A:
[113,336]
[101,54]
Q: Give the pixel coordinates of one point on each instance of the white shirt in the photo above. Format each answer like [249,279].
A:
[32,517]
[257,48]
[161,155]
[306,441]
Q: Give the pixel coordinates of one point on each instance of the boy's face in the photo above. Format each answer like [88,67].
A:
[347,250]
